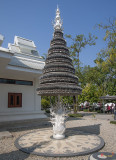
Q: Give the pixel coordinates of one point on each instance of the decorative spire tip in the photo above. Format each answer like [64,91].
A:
[58,22]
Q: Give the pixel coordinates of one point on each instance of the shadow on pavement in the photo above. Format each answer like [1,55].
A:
[91,129]
[14,155]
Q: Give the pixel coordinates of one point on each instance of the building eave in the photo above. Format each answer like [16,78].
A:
[24,62]
[11,67]
[5,53]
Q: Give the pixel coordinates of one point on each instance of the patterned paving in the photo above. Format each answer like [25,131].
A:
[40,142]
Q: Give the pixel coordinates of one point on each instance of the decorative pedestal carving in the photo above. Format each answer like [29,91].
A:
[58,120]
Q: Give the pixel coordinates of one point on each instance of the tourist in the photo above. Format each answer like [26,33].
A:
[108,109]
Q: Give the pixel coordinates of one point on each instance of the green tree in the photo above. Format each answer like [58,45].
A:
[101,79]
[67,100]
[50,100]
[45,103]
[106,59]
[90,93]
[44,56]
[78,43]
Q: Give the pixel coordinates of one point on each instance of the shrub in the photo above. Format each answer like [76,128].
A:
[85,110]
[47,111]
[113,122]
[98,111]
[75,115]
[45,104]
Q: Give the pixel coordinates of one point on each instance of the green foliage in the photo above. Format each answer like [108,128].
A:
[78,43]
[101,79]
[93,115]
[106,59]
[113,122]
[47,111]
[44,56]
[90,93]
[45,103]
[99,111]
[48,99]
[67,100]
[110,30]
[85,110]
[75,115]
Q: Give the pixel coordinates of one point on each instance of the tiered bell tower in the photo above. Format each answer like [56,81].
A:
[58,76]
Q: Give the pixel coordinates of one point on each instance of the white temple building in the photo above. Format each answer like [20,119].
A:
[20,69]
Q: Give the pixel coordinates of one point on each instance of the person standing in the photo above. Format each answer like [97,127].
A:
[115,112]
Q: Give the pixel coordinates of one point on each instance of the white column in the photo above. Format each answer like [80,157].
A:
[37,98]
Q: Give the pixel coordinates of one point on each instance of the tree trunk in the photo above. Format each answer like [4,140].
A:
[78,61]
[58,101]
[74,104]
[50,101]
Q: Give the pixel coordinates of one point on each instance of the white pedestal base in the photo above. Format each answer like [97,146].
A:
[58,120]
[58,136]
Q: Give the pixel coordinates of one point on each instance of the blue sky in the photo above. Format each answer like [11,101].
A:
[32,19]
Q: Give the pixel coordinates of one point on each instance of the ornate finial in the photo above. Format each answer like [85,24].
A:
[58,22]
[57,6]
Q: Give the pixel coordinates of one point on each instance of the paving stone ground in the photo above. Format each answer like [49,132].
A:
[76,143]
[98,125]
[5,134]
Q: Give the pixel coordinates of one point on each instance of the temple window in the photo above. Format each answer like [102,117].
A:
[14,100]
[14,81]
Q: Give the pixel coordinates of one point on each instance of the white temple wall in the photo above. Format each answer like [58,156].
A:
[31,102]
[37,99]
[27,97]
[20,61]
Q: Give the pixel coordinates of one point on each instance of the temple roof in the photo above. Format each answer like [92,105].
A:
[23,46]
[23,54]
[1,39]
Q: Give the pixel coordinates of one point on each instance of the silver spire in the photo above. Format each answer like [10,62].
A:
[58,22]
